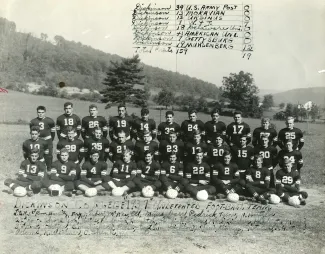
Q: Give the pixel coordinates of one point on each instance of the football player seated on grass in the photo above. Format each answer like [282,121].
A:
[258,181]
[122,175]
[269,154]
[117,148]
[98,142]
[35,143]
[143,124]
[192,145]
[147,144]
[92,121]
[225,177]
[119,123]
[288,183]
[165,128]
[166,147]
[265,130]
[291,132]
[243,155]
[74,146]
[63,175]
[215,150]
[214,127]
[147,179]
[30,176]
[171,177]
[92,174]
[294,156]
[198,175]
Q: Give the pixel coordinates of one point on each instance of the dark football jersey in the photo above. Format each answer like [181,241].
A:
[294,156]
[102,145]
[270,133]
[63,121]
[235,131]
[151,170]
[140,126]
[212,129]
[117,124]
[215,153]
[196,172]
[259,174]
[33,169]
[188,127]
[164,129]
[295,134]
[172,169]
[190,149]
[39,144]
[74,147]
[46,126]
[94,170]
[65,168]
[269,155]
[243,157]
[116,150]
[166,147]
[225,172]
[89,123]
[141,147]
[121,169]
[282,177]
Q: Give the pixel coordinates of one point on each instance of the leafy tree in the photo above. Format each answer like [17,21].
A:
[281,105]
[268,101]
[165,98]
[289,109]
[314,112]
[241,91]
[120,80]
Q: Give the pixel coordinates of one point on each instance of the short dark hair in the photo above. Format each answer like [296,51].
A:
[64,150]
[122,105]
[226,153]
[196,132]
[237,112]
[93,106]
[192,111]
[70,128]
[35,128]
[148,152]
[144,111]
[68,104]
[214,111]
[34,150]
[169,112]
[93,151]
[41,108]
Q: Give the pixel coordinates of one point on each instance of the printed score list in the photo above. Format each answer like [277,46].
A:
[176,30]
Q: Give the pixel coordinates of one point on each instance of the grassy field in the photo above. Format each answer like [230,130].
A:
[22,106]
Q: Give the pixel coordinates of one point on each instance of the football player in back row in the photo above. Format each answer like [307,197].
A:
[165,128]
[214,127]
[67,119]
[265,130]
[119,123]
[191,125]
[144,124]
[47,131]
[291,132]
[236,129]
[92,121]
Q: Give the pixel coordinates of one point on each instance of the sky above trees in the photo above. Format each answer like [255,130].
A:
[288,38]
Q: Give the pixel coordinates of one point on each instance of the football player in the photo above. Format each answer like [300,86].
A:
[242,155]
[265,130]
[165,128]
[35,143]
[144,124]
[215,150]
[98,142]
[148,172]
[171,145]
[288,183]
[146,145]
[67,119]
[258,181]
[291,132]
[214,127]
[93,173]
[225,177]
[198,175]
[236,129]
[188,126]
[172,173]
[117,148]
[47,131]
[119,123]
[63,173]
[123,173]
[88,123]
[294,156]
[31,174]
[73,145]
[192,145]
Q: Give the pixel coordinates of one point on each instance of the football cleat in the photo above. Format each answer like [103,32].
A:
[68,193]
[79,192]
[7,182]
[44,192]
[221,196]
[30,193]
[242,198]
[303,202]
[136,194]
[55,193]
[181,195]
[303,194]
[212,197]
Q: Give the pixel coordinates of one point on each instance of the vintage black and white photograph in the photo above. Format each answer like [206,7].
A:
[162,126]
